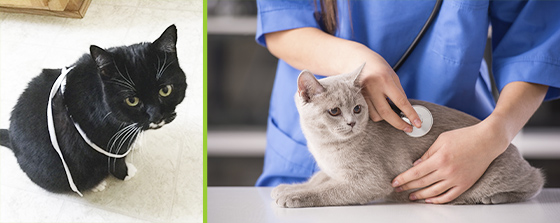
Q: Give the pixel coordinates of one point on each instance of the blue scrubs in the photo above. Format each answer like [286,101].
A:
[445,68]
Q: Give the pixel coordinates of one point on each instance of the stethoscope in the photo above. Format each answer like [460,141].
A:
[423,112]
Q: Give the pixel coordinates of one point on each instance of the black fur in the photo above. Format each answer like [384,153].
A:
[95,95]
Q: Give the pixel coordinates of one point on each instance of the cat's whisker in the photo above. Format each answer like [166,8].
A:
[136,138]
[124,133]
[106,116]
[129,136]
[158,65]
[359,91]
[123,137]
[139,141]
[129,133]
[123,84]
[133,137]
[161,71]
[125,91]
[118,132]
[115,139]
[126,80]
[128,75]
[116,136]
[164,67]
[126,86]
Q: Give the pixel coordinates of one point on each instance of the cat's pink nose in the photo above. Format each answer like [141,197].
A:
[352,124]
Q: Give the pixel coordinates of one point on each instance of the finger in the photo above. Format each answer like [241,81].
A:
[372,112]
[400,100]
[447,197]
[431,191]
[413,174]
[398,81]
[429,153]
[384,110]
[425,181]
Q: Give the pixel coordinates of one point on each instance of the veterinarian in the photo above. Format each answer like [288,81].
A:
[446,67]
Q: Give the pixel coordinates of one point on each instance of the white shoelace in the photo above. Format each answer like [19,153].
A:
[60,83]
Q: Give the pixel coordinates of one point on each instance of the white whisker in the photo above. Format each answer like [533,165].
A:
[123,84]
[125,80]
[158,65]
[129,136]
[119,144]
[128,75]
[117,135]
[115,138]
[161,69]
[165,68]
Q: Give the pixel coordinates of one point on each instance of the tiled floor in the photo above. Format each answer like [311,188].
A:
[168,184]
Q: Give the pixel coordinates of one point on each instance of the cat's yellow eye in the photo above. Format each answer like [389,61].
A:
[334,111]
[132,101]
[357,109]
[166,90]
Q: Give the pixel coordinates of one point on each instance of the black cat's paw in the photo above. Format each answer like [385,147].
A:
[121,170]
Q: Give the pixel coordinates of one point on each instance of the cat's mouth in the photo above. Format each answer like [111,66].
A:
[346,132]
[163,122]
[156,126]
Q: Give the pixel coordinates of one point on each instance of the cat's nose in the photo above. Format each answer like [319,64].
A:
[154,113]
[352,123]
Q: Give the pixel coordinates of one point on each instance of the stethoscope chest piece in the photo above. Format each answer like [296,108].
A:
[425,117]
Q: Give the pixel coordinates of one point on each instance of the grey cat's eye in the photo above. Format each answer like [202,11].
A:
[334,111]
[165,90]
[357,109]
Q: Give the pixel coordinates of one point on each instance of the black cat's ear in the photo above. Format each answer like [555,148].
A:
[168,40]
[309,86]
[356,75]
[101,57]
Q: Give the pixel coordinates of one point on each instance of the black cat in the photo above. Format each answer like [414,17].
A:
[113,95]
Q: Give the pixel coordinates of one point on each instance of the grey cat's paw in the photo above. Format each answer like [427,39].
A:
[499,198]
[297,200]
[131,171]
[280,189]
[100,187]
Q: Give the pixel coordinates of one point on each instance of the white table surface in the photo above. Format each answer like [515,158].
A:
[253,204]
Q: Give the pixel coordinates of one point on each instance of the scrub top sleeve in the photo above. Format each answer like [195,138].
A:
[278,15]
[526,43]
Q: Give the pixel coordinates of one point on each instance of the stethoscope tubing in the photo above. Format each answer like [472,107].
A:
[414,43]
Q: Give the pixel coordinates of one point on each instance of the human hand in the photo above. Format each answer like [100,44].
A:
[380,82]
[455,161]
[304,48]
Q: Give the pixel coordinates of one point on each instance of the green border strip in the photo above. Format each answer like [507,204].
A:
[205,116]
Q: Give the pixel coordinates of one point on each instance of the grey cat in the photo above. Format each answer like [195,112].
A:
[359,158]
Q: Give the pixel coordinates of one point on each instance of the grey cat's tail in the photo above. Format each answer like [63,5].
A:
[5,138]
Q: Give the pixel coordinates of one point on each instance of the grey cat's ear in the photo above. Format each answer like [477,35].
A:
[309,86]
[356,75]
[168,40]
[101,57]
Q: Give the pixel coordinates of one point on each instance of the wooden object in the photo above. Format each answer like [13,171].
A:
[62,8]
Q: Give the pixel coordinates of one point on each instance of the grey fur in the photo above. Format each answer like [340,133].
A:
[358,163]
